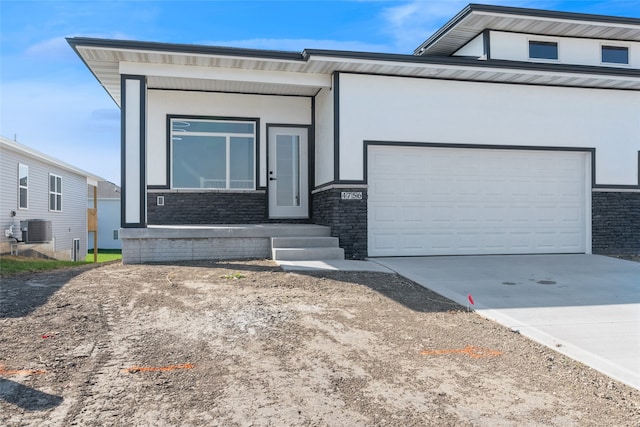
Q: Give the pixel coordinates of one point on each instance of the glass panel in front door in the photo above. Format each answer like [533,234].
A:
[288,170]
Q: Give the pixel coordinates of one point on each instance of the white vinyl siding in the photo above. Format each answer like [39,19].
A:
[66,225]
[454,201]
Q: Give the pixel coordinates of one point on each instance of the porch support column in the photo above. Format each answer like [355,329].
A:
[133,119]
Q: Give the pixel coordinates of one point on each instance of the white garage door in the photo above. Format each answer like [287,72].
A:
[446,201]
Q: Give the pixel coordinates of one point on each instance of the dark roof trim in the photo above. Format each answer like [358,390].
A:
[444,29]
[538,13]
[542,13]
[473,62]
[75,42]
[339,54]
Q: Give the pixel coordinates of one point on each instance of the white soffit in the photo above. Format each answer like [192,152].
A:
[305,77]
[456,34]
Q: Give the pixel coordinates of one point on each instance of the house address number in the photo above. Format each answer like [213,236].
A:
[351,195]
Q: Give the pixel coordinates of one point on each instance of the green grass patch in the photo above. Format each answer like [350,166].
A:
[10,265]
[105,255]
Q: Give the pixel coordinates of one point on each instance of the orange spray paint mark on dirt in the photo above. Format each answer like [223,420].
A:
[135,369]
[4,371]
[472,351]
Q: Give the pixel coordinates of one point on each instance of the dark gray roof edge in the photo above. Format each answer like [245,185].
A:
[472,62]
[539,13]
[184,48]
[367,56]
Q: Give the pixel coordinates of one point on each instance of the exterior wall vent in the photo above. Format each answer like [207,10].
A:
[36,231]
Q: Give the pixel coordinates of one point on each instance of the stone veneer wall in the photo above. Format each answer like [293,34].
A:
[616,223]
[346,217]
[211,207]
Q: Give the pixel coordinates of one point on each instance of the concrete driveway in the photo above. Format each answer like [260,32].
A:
[584,306]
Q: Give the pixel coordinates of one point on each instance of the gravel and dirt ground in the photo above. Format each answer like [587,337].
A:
[245,344]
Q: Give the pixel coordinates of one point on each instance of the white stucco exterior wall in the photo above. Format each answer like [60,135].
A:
[439,111]
[269,109]
[515,47]
[324,137]
[475,48]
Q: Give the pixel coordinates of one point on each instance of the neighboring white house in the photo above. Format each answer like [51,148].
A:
[108,196]
[509,131]
[43,204]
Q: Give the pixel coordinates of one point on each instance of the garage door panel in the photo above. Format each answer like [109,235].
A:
[437,201]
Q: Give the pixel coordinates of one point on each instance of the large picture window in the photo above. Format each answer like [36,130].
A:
[55,192]
[23,186]
[212,154]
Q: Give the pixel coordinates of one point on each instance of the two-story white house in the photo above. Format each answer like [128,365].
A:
[43,204]
[508,131]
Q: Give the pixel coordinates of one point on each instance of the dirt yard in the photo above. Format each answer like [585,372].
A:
[245,344]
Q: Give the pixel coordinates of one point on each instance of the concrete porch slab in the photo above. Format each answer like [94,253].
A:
[167,243]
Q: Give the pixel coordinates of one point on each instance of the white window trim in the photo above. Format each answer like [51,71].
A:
[544,40]
[227,137]
[20,187]
[614,44]
[59,208]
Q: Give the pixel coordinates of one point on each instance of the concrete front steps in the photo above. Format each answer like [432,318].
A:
[308,248]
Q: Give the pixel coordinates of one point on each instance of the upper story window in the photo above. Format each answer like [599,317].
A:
[213,154]
[23,186]
[543,50]
[615,54]
[55,192]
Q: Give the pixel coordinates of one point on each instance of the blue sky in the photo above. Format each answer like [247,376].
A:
[50,101]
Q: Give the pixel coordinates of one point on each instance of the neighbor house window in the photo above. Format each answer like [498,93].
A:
[213,154]
[615,54]
[55,192]
[543,50]
[116,234]
[23,186]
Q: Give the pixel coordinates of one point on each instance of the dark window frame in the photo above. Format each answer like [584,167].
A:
[613,48]
[228,187]
[540,49]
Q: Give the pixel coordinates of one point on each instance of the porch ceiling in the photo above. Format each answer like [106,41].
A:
[206,68]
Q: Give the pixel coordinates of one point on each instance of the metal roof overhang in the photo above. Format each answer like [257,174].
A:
[216,69]
[475,18]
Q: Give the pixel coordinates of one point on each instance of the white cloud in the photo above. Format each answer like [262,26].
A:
[54,48]
[411,23]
